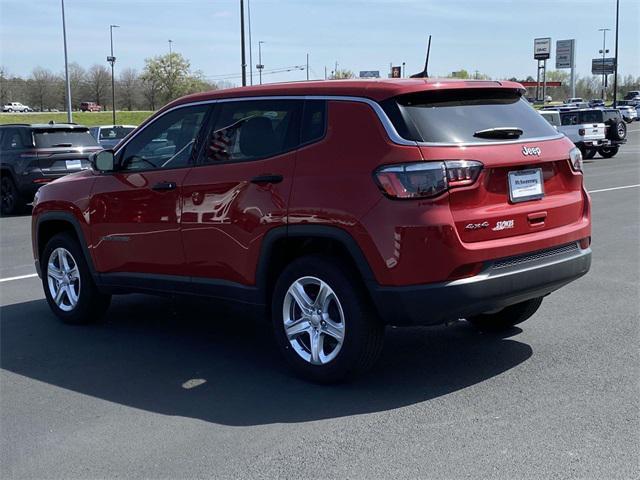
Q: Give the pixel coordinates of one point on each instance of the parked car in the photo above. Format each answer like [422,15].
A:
[596,102]
[632,95]
[574,100]
[33,155]
[628,112]
[330,208]
[580,126]
[16,107]
[109,135]
[90,107]
[615,130]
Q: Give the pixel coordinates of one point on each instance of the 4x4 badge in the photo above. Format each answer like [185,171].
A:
[527,151]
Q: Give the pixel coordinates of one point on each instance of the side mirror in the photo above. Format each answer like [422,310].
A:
[103,161]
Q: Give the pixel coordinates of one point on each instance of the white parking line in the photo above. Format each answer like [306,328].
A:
[614,188]
[20,277]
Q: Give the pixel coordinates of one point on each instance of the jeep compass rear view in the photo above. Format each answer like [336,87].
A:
[330,209]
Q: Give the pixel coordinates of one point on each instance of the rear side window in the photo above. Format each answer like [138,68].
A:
[313,121]
[64,138]
[453,116]
[115,133]
[253,129]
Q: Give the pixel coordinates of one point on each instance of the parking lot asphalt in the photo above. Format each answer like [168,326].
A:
[171,388]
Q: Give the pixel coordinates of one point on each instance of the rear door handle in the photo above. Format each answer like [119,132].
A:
[268,178]
[162,186]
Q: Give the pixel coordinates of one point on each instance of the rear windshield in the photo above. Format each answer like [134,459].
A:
[64,138]
[453,116]
[115,133]
[592,116]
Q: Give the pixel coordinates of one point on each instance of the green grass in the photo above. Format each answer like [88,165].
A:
[89,119]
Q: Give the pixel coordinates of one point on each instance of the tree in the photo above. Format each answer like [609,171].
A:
[151,90]
[42,89]
[99,82]
[170,73]
[78,84]
[129,88]
[342,74]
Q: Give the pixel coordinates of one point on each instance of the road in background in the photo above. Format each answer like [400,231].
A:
[174,389]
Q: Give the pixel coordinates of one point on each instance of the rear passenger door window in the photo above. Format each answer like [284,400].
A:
[252,130]
[314,121]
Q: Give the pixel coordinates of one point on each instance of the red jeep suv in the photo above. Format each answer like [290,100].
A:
[332,208]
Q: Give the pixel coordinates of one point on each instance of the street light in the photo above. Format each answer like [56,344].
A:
[604,51]
[66,67]
[112,60]
[260,66]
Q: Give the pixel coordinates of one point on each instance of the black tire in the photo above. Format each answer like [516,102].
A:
[91,304]
[590,153]
[11,202]
[619,131]
[363,332]
[507,317]
[608,152]
[583,150]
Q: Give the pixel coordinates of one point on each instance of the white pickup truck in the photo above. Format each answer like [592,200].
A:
[16,107]
[585,132]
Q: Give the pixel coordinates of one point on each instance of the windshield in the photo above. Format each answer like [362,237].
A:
[456,116]
[115,133]
[64,138]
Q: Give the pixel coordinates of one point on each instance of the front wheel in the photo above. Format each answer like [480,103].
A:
[68,285]
[507,317]
[608,152]
[323,321]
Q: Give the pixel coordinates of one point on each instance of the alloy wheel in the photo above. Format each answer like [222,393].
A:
[314,321]
[63,279]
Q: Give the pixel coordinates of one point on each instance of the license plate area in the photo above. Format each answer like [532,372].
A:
[525,185]
[74,165]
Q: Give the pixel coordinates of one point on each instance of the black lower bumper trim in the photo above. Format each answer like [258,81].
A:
[492,289]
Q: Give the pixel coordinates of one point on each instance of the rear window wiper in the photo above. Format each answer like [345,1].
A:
[499,132]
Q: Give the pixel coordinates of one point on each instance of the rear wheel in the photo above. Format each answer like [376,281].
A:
[323,321]
[590,153]
[68,285]
[11,202]
[507,317]
[608,152]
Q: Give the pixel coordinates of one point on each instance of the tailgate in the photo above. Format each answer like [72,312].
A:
[486,211]
[593,131]
[56,161]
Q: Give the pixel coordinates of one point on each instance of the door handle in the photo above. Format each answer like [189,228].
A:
[267,178]
[162,186]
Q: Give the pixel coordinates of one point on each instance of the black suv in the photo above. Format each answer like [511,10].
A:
[32,155]
[615,130]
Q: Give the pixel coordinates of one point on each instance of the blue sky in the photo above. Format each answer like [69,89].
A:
[492,36]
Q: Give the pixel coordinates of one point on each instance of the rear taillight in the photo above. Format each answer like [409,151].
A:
[581,132]
[575,158]
[426,179]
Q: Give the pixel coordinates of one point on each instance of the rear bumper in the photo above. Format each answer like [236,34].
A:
[501,283]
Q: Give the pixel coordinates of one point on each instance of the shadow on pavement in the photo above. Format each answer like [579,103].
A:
[147,348]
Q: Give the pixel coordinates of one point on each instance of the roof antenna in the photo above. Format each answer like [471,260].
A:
[424,73]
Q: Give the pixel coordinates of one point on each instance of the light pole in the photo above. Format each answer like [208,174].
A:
[112,60]
[66,67]
[615,74]
[260,66]
[604,51]
[242,52]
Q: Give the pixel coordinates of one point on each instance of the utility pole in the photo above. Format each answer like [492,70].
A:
[260,66]
[615,75]
[66,68]
[325,72]
[604,51]
[335,72]
[403,69]
[112,60]
[242,54]
[250,43]
[307,66]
